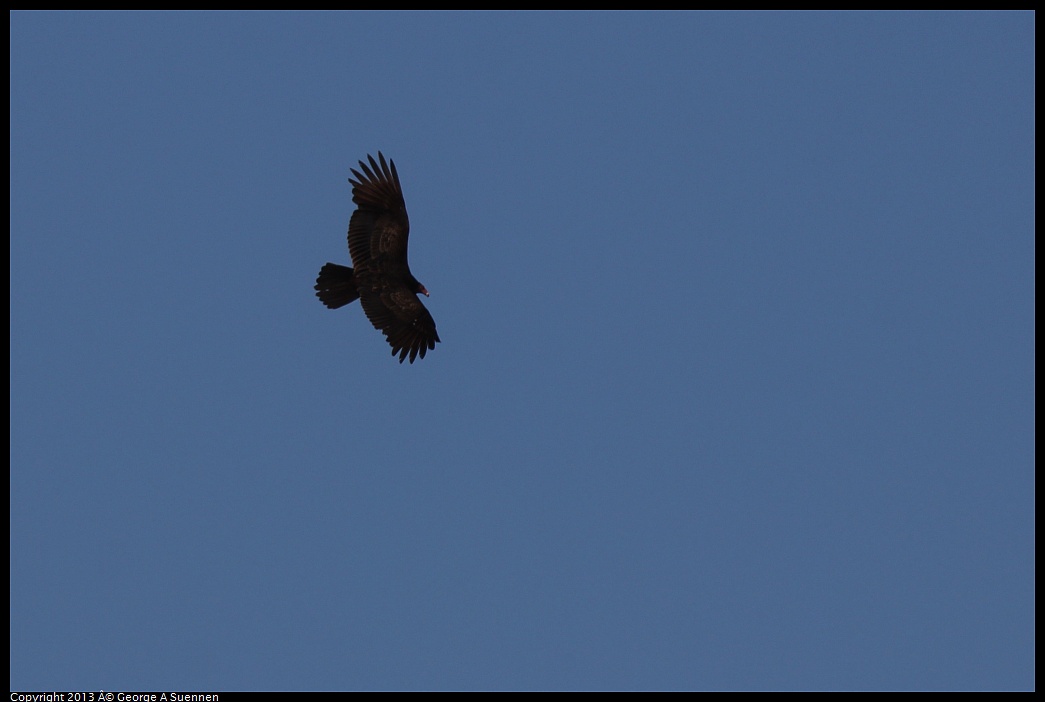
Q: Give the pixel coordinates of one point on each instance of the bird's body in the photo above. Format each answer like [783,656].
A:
[380,277]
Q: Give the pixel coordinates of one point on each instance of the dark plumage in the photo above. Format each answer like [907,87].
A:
[381,279]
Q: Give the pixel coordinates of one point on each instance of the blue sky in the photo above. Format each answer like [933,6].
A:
[736,388]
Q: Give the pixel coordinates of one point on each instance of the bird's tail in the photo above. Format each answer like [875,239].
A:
[336,286]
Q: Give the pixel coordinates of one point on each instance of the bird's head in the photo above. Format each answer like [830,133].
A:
[418,288]
[415,285]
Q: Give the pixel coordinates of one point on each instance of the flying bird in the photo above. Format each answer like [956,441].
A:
[380,278]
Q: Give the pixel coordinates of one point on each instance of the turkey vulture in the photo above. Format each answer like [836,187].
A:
[381,279]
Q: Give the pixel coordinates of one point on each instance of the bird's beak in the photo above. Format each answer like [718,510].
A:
[425,291]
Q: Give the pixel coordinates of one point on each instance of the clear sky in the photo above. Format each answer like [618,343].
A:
[736,388]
